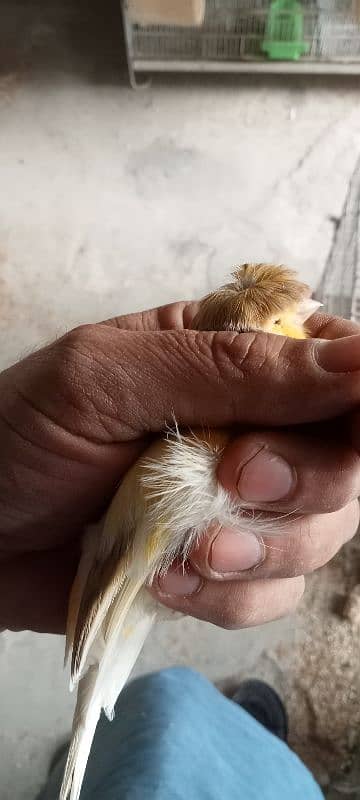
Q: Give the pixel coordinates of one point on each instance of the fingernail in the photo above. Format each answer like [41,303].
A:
[338,355]
[265,478]
[180,581]
[232,551]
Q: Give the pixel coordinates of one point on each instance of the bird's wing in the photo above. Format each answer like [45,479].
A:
[123,644]
[103,570]
[104,581]
[89,547]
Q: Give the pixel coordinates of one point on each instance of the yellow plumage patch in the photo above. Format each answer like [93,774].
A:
[291,329]
[287,324]
[156,541]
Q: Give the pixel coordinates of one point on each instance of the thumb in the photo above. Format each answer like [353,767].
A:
[112,385]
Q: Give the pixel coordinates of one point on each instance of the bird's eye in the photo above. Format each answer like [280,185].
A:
[277,321]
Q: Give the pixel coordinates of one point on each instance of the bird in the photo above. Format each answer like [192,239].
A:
[161,509]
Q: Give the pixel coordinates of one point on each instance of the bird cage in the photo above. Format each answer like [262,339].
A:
[250,36]
[339,288]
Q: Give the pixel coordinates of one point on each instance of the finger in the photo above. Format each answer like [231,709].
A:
[236,604]
[180,315]
[300,547]
[324,326]
[173,316]
[119,384]
[287,472]
[35,590]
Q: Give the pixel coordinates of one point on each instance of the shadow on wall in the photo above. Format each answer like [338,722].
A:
[58,37]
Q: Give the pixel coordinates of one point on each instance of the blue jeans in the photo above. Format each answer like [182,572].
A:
[175,737]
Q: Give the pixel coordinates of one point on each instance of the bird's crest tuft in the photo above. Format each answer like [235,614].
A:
[257,293]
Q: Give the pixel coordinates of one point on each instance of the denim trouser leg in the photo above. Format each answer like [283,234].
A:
[175,737]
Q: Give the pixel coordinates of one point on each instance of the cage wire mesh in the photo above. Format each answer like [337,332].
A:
[232,36]
[339,288]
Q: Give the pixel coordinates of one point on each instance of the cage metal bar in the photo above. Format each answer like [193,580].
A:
[226,67]
[231,36]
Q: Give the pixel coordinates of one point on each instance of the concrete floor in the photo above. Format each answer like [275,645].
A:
[112,201]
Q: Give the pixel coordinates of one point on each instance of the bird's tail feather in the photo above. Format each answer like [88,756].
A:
[127,645]
[102,683]
[85,720]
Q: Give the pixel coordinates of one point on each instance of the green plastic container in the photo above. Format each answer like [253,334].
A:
[284,31]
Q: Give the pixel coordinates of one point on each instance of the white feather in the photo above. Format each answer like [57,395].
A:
[306,308]
[130,640]
[186,493]
[85,721]
[102,684]
[180,497]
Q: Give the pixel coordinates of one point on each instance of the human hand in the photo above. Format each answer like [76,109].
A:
[76,414]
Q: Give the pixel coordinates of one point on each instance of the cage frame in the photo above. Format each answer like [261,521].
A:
[310,65]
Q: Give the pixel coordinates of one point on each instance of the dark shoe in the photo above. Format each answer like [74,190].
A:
[264,704]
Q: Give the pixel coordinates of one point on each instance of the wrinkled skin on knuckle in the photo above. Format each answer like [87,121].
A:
[83,382]
[46,384]
[122,382]
[265,354]
[200,354]
[107,392]
[81,338]
[74,352]
[175,354]
[172,364]
[238,355]
[258,362]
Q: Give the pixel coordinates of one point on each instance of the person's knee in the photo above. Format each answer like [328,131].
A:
[167,686]
[173,677]
[172,680]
